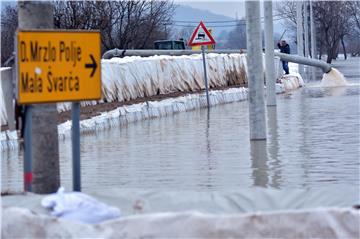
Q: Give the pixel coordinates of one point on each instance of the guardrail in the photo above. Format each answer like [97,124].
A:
[145,53]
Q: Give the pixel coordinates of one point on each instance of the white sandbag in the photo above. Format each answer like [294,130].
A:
[136,77]
[332,223]
[77,206]
[292,81]
[153,109]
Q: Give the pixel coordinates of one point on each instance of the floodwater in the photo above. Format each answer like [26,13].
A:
[313,142]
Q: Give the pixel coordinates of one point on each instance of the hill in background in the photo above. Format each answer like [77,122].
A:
[220,31]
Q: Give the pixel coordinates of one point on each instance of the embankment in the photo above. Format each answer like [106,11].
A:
[133,78]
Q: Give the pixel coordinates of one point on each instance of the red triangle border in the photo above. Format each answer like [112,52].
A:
[212,41]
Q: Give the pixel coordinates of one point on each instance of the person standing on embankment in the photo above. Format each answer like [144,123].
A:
[284,48]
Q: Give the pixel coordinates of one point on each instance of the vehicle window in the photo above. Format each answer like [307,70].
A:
[179,46]
[163,45]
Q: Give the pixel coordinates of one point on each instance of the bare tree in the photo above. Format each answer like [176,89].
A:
[9,23]
[123,24]
[75,15]
[288,11]
[354,35]
[237,36]
[332,24]
[184,33]
[354,11]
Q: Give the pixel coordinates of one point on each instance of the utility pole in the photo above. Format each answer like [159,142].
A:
[306,28]
[45,145]
[300,42]
[257,121]
[269,55]
[313,38]
[306,35]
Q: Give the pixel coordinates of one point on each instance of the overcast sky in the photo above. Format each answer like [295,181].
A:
[227,8]
[230,9]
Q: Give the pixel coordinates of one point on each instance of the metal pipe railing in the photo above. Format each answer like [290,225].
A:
[284,57]
[121,53]
[304,61]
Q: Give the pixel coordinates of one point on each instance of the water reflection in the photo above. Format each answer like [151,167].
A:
[315,91]
[273,146]
[259,159]
[210,176]
[336,91]
[312,142]
[208,132]
[11,171]
[265,161]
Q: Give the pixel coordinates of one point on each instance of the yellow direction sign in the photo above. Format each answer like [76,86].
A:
[58,66]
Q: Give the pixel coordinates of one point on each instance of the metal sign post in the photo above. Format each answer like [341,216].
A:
[75,138]
[55,66]
[205,76]
[28,149]
[202,37]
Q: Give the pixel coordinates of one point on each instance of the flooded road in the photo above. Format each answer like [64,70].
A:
[313,142]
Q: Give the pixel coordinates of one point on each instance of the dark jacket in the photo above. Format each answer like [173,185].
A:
[284,49]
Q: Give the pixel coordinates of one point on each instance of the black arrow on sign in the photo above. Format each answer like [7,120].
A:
[93,65]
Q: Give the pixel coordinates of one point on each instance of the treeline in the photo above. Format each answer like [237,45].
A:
[123,24]
[337,26]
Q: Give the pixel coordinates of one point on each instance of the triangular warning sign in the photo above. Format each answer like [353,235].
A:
[201,36]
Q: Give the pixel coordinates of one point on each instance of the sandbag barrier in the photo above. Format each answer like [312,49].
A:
[311,223]
[137,77]
[141,111]
[129,78]
[152,109]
